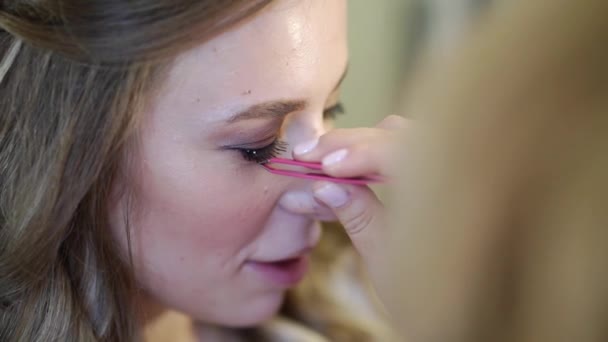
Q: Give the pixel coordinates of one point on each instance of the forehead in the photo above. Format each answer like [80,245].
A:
[290,49]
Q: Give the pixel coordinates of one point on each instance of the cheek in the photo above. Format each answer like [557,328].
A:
[190,235]
[200,210]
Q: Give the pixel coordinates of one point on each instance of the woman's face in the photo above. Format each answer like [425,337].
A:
[215,235]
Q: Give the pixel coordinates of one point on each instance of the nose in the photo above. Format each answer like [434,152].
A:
[304,127]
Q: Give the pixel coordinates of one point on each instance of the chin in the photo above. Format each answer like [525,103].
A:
[256,311]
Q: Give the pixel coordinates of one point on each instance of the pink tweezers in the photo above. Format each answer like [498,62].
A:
[315,175]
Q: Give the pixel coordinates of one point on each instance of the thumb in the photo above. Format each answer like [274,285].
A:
[359,211]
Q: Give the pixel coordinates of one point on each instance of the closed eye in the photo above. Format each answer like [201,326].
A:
[263,154]
[332,112]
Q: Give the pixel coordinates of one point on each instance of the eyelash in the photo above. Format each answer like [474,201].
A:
[263,154]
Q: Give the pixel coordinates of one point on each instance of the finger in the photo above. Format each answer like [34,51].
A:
[359,211]
[303,203]
[334,140]
[393,122]
[341,138]
[362,159]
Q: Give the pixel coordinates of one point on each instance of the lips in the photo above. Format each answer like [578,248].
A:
[283,273]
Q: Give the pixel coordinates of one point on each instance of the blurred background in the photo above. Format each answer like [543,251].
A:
[386,37]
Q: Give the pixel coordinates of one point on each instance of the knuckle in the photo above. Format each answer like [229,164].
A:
[395,118]
[393,121]
[358,221]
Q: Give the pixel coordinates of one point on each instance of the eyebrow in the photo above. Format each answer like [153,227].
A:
[275,109]
[272,109]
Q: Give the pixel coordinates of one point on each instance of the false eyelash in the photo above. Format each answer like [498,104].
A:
[332,112]
[263,154]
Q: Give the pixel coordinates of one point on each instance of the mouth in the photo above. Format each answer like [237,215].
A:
[283,273]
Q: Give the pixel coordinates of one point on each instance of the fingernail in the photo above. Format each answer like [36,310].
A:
[305,147]
[335,157]
[298,202]
[332,195]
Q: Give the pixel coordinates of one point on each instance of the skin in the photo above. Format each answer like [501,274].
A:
[361,151]
[203,212]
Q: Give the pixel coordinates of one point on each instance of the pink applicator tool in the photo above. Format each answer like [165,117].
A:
[280,166]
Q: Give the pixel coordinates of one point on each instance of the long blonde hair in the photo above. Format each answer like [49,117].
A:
[502,227]
[70,93]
